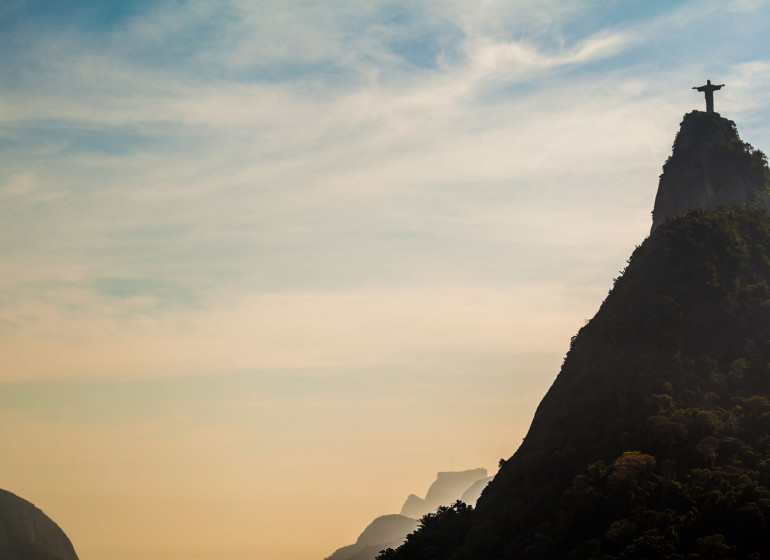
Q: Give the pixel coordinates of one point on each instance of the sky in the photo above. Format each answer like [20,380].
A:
[268,266]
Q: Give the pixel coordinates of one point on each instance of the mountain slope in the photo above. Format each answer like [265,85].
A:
[384,532]
[665,368]
[654,440]
[26,533]
[389,531]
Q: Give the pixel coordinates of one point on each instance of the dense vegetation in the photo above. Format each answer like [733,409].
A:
[654,441]
[437,536]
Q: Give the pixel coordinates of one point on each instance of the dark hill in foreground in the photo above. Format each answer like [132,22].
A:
[674,366]
[654,440]
[26,533]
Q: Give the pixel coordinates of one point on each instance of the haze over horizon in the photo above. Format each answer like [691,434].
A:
[269,266]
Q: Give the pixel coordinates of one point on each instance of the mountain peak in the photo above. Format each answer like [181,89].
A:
[447,488]
[652,441]
[710,167]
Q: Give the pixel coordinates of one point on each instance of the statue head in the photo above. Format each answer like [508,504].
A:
[708,82]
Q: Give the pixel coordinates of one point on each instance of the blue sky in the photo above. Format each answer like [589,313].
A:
[330,226]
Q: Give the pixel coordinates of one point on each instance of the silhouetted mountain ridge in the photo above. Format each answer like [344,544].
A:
[389,531]
[26,533]
[386,531]
[448,487]
[654,440]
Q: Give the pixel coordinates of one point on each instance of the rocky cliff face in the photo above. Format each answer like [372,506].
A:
[710,167]
[26,533]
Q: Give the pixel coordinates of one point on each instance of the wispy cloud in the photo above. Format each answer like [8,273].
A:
[216,176]
[122,337]
[298,204]
[520,59]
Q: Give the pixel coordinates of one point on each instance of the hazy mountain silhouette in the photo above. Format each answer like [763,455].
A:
[654,440]
[389,531]
[26,533]
[447,488]
[472,494]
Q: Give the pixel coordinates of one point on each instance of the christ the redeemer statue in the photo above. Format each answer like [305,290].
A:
[709,90]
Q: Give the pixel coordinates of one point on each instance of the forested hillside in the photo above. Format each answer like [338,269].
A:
[654,440]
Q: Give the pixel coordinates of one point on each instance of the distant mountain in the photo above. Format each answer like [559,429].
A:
[472,494]
[448,487]
[389,531]
[26,533]
[654,440]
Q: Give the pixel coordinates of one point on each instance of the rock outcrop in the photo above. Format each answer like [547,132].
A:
[710,167]
[26,533]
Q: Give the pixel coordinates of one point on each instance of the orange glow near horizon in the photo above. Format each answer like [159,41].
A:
[268,267]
